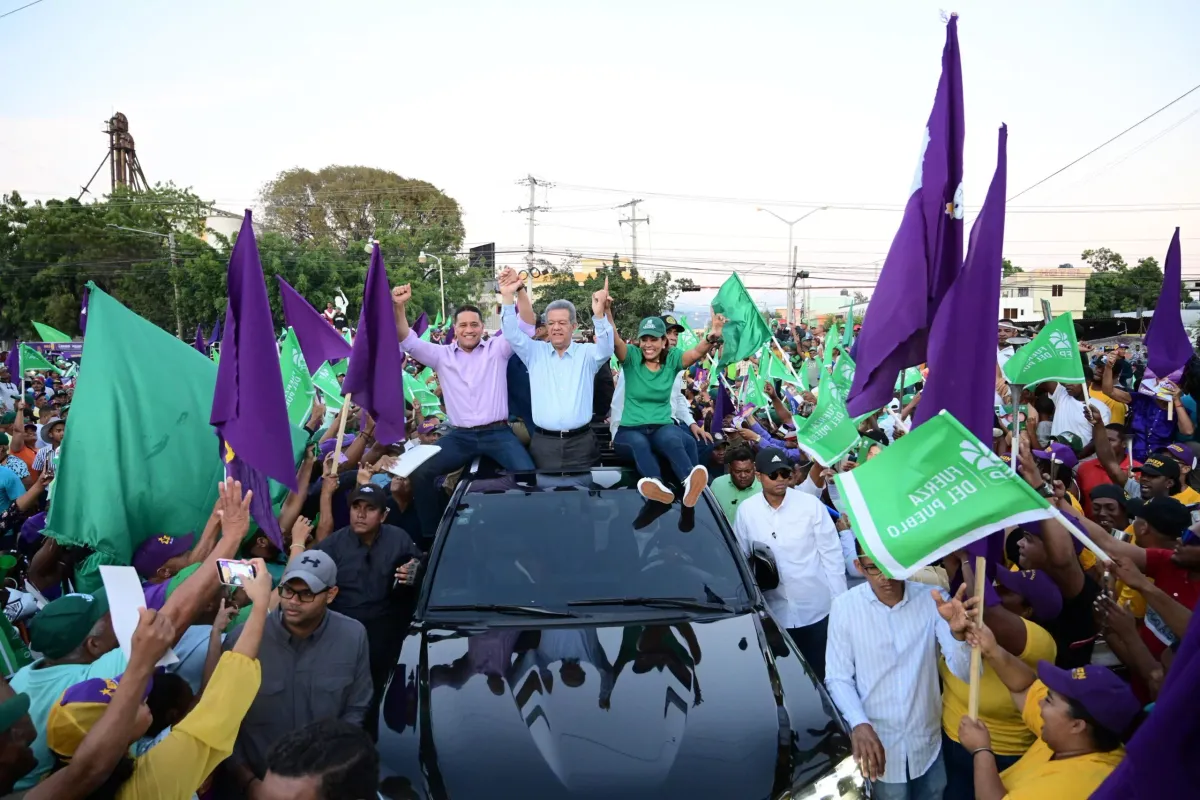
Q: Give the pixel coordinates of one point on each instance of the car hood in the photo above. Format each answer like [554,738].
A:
[620,710]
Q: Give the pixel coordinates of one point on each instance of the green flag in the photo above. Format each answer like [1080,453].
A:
[752,392]
[745,329]
[326,380]
[775,368]
[1052,355]
[934,491]
[848,331]
[829,433]
[49,334]
[437,323]
[32,359]
[298,389]
[216,353]
[140,458]
[907,378]
[843,373]
[613,363]
[687,337]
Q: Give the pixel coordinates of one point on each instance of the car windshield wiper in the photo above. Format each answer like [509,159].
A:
[505,608]
[655,602]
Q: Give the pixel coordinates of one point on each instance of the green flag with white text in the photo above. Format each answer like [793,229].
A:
[32,359]
[297,383]
[687,337]
[843,373]
[325,379]
[828,433]
[1052,355]
[934,491]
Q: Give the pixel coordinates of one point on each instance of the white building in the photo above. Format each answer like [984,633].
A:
[1021,293]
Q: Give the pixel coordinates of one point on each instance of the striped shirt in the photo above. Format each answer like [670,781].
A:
[43,458]
[881,668]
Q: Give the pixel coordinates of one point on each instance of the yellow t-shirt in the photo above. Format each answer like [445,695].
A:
[1037,777]
[1125,596]
[175,767]
[1189,496]
[1117,410]
[1010,736]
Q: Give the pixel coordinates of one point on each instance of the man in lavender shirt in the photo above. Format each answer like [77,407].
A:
[474,378]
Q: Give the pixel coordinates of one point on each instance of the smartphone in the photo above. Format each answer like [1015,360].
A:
[235,573]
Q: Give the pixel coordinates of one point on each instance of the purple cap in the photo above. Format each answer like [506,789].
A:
[1059,452]
[1183,454]
[31,529]
[1107,698]
[96,690]
[328,445]
[1036,588]
[159,549]
[428,425]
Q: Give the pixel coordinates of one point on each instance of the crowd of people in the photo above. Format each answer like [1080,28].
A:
[278,683]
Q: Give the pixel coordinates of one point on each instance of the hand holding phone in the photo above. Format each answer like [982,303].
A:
[232,572]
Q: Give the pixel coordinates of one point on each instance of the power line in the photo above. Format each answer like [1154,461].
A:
[22,8]
[1105,144]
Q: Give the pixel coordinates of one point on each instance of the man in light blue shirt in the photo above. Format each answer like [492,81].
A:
[561,377]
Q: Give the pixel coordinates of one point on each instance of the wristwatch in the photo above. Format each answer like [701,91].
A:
[712,339]
[1045,490]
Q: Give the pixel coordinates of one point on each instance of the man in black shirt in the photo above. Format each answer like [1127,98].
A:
[378,566]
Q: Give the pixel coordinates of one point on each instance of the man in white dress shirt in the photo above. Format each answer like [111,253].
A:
[881,671]
[798,529]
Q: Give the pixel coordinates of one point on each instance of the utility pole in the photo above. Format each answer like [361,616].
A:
[632,221]
[532,209]
[791,254]
[175,284]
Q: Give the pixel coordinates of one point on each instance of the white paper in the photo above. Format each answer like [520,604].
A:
[408,462]
[125,598]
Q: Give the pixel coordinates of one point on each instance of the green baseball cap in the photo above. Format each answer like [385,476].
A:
[63,624]
[8,418]
[652,326]
[12,710]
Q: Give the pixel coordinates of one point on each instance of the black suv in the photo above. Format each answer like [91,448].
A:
[566,644]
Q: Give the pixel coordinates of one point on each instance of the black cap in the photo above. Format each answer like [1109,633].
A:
[1166,515]
[1110,491]
[1158,464]
[369,493]
[671,323]
[770,459]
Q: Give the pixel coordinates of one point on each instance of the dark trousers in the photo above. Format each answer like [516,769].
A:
[459,447]
[644,442]
[385,635]
[573,453]
[810,641]
[960,769]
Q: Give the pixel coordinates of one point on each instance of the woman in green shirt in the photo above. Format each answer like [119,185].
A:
[646,430]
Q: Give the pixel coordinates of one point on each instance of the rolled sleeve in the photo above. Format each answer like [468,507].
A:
[427,353]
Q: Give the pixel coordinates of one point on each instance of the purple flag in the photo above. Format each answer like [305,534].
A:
[449,337]
[249,410]
[13,364]
[216,334]
[722,407]
[319,341]
[199,343]
[926,254]
[83,311]
[375,373]
[260,504]
[962,339]
[1168,347]
[1160,760]
[421,325]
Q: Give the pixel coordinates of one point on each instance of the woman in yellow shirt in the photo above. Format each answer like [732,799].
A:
[1081,717]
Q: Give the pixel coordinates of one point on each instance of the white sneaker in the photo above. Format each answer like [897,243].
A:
[693,486]
[653,489]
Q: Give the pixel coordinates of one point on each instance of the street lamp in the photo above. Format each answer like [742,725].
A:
[441,282]
[791,258]
[170,237]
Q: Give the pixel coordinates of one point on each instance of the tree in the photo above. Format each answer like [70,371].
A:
[1104,260]
[860,299]
[634,297]
[1008,268]
[1121,288]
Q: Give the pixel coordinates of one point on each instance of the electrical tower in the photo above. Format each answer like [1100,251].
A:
[124,168]
[632,221]
[532,209]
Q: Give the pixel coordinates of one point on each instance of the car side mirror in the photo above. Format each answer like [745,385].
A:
[762,565]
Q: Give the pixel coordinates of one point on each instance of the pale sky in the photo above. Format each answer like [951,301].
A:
[702,109]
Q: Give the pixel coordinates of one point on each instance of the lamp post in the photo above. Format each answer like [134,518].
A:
[170,237]
[791,295]
[441,281]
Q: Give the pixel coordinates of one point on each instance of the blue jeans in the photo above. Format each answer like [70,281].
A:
[927,787]
[459,447]
[643,442]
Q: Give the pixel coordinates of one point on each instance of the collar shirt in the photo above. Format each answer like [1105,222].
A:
[881,668]
[560,385]
[807,551]
[367,573]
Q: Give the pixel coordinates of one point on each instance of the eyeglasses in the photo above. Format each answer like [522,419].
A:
[869,567]
[780,475]
[304,595]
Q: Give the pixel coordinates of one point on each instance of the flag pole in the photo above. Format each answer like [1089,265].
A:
[976,653]
[1014,391]
[341,434]
[1083,538]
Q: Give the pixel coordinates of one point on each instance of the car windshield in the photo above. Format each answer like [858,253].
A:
[552,546]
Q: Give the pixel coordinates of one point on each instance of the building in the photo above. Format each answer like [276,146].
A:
[1021,293]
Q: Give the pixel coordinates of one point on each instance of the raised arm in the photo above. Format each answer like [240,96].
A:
[524,301]
[427,353]
[605,346]
[520,342]
[400,297]
[1110,460]
[1106,381]
[700,351]
[1014,673]
[619,347]
[295,500]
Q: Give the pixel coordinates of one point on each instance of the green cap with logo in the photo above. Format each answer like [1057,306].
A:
[652,326]
[65,623]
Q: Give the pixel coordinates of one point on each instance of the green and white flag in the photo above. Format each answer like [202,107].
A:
[297,383]
[843,373]
[829,433]
[934,491]
[1052,355]
[777,369]
[32,359]
[687,337]
[325,379]
[907,378]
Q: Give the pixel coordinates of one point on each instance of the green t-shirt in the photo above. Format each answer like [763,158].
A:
[648,393]
[730,497]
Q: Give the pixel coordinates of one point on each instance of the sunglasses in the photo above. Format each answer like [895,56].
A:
[780,475]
